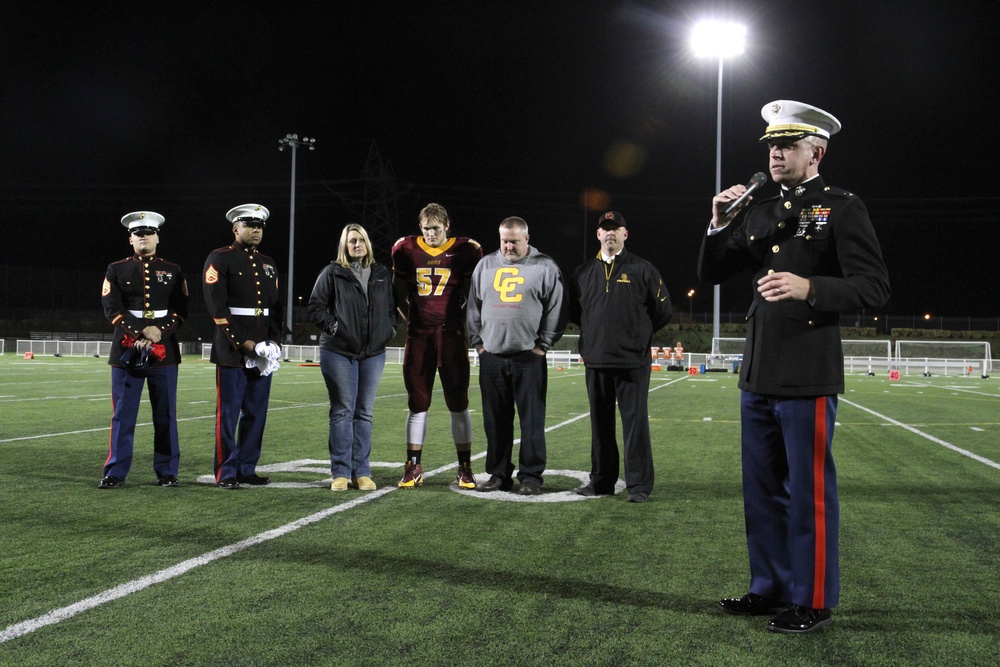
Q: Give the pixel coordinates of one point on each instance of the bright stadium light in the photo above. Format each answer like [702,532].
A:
[717,39]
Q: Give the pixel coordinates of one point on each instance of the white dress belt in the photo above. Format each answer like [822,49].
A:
[249,311]
[149,314]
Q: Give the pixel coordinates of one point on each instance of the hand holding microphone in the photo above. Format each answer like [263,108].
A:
[756,181]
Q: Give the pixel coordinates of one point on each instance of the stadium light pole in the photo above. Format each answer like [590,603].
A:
[720,40]
[293,141]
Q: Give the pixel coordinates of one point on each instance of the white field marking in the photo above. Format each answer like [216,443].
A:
[136,585]
[948,445]
[186,419]
[966,391]
[976,428]
[272,408]
[106,395]
[63,613]
[665,384]
[35,383]
[544,497]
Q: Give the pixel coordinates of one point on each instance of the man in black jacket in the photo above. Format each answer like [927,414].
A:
[619,301]
[813,254]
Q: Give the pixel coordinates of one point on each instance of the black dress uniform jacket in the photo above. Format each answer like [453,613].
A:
[241,277]
[142,291]
[817,232]
[352,324]
[619,306]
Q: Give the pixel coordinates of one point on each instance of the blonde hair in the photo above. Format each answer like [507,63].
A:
[343,258]
[434,213]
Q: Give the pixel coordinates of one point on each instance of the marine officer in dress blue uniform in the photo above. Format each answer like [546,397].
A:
[813,254]
[241,292]
[145,297]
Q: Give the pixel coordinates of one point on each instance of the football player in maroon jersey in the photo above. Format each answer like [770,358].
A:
[431,275]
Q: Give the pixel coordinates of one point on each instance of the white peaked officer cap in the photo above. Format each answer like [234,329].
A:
[249,213]
[143,220]
[793,120]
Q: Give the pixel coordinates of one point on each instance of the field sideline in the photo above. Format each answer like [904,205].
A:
[295,574]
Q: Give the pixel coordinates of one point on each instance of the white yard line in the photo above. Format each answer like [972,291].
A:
[63,613]
[937,441]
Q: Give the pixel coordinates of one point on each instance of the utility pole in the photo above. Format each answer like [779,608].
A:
[293,141]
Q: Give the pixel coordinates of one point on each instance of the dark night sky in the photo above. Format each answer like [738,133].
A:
[492,109]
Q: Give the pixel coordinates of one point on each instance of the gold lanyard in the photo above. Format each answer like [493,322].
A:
[609,269]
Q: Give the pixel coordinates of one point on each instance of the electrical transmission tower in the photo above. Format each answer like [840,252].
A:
[379,212]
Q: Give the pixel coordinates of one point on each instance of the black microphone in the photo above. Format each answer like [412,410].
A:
[758,180]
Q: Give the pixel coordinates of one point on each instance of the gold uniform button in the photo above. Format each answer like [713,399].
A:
[811,323]
[781,225]
[808,237]
[751,237]
[775,248]
[770,271]
[788,204]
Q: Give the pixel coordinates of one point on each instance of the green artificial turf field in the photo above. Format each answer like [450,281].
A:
[294,574]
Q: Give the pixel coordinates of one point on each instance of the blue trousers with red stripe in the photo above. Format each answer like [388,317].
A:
[790,498]
[242,395]
[126,395]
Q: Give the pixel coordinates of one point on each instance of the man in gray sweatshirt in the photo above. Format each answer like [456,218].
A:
[516,313]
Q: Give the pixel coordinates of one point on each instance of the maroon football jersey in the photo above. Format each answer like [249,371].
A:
[437,279]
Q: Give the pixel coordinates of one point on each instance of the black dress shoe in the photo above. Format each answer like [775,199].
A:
[638,497]
[230,484]
[111,483]
[797,620]
[253,480]
[751,604]
[495,484]
[167,480]
[529,488]
[592,491]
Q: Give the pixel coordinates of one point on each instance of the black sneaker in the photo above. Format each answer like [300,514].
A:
[529,488]
[111,483]
[591,491]
[167,480]
[495,484]
[230,484]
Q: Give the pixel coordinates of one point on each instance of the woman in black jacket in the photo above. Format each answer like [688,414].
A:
[353,304]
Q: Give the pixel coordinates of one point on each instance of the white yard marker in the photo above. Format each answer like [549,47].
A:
[938,441]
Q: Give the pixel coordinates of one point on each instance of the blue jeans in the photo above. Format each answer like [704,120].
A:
[351,384]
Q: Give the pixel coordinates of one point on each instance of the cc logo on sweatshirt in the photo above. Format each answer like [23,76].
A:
[506,282]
